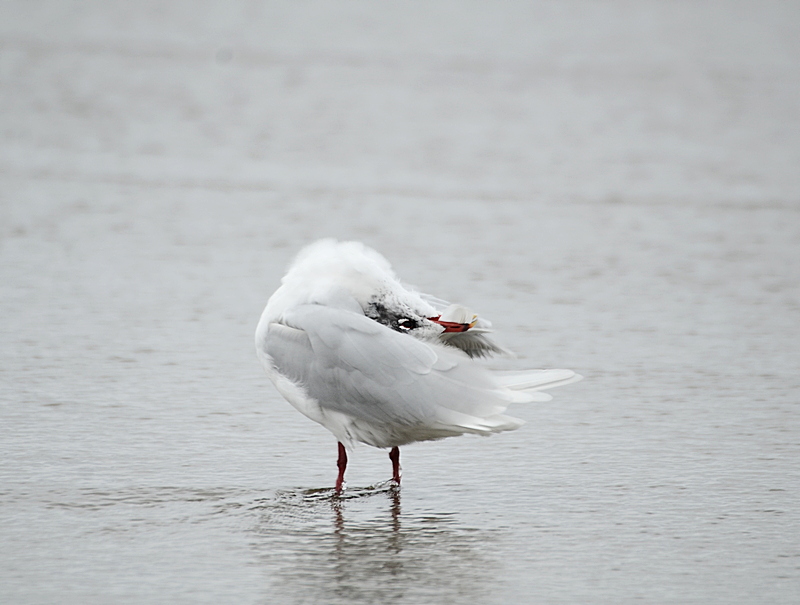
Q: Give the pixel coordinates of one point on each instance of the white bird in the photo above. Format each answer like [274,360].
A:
[352,348]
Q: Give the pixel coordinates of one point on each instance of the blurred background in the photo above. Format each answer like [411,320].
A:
[614,184]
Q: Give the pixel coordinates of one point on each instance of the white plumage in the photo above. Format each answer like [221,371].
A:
[352,348]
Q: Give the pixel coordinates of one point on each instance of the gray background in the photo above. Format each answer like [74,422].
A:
[614,184]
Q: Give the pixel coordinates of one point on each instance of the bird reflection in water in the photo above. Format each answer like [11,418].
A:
[393,538]
[369,550]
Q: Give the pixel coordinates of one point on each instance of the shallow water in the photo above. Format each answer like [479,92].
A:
[615,187]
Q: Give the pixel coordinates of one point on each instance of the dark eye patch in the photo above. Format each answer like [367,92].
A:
[407,323]
[389,318]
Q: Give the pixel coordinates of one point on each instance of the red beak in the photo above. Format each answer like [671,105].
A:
[451,326]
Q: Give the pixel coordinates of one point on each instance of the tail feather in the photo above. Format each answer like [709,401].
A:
[536,380]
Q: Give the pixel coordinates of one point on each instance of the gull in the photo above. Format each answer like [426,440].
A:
[376,362]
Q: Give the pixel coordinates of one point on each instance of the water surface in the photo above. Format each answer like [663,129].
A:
[615,187]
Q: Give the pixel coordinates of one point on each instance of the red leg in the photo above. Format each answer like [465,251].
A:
[394,456]
[342,464]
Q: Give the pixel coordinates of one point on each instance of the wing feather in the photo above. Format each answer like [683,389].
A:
[354,366]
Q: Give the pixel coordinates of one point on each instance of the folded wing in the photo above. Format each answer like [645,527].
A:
[385,380]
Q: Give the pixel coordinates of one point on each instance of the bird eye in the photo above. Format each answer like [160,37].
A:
[406,324]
